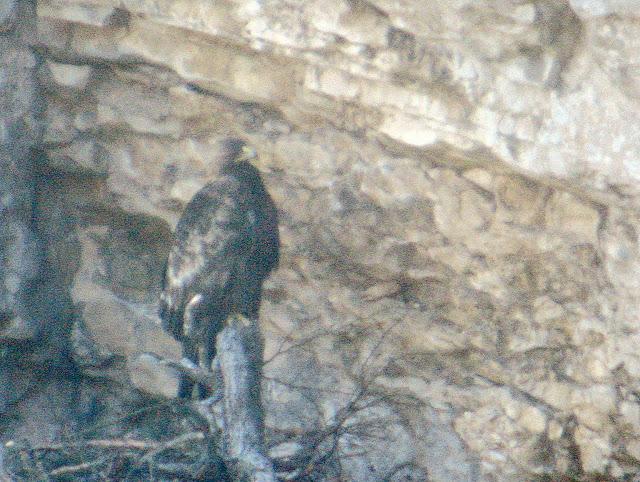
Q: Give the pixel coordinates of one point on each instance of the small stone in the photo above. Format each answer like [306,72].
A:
[381,290]
[596,367]
[533,420]
[285,450]
[565,213]
[546,310]
[595,449]
[630,412]
[81,156]
[525,14]
[410,130]
[592,417]
[475,210]
[556,394]
[151,376]
[555,430]
[520,200]
[601,398]
[338,84]
[69,76]
[460,211]
[85,352]
[95,15]
[633,448]
[184,189]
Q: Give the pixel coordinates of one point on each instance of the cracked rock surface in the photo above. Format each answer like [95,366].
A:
[458,184]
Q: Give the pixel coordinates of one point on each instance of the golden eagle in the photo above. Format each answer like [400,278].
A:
[226,243]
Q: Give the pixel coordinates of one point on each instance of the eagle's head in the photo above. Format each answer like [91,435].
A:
[234,151]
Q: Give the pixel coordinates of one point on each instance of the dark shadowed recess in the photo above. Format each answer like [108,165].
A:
[53,412]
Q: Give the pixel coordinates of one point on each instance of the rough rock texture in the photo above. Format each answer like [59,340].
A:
[458,186]
[38,384]
[19,254]
[19,134]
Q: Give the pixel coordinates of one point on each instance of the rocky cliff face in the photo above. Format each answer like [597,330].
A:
[458,188]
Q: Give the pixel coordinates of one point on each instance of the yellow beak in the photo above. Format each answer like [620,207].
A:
[248,153]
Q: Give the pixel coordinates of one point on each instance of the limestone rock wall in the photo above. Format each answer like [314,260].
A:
[458,188]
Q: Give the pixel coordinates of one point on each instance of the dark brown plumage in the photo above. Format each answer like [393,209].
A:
[226,243]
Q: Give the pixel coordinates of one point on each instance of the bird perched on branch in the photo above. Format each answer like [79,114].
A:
[225,245]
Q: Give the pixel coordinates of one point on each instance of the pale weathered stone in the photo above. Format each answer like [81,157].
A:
[122,326]
[78,13]
[458,195]
[555,430]
[381,290]
[285,450]
[69,76]
[592,417]
[520,201]
[59,127]
[633,448]
[141,109]
[595,449]
[597,8]
[630,413]
[481,177]
[81,156]
[149,375]
[556,394]
[532,419]
[566,214]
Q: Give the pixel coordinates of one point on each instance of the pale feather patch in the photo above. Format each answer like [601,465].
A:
[188,316]
[191,262]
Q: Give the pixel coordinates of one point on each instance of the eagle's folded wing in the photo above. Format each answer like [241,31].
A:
[213,240]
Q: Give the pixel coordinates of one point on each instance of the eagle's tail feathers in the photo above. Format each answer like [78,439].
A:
[172,318]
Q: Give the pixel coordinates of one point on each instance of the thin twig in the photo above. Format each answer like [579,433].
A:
[173,443]
[32,467]
[114,421]
[344,423]
[101,443]
[289,338]
[72,469]
[378,344]
[160,447]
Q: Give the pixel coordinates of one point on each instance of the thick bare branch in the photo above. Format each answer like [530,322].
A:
[240,349]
